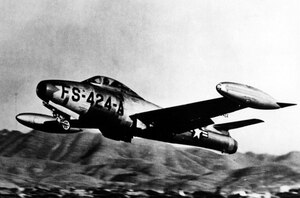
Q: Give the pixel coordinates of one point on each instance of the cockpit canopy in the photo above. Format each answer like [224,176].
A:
[103,81]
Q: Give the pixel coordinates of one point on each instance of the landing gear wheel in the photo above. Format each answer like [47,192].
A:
[65,125]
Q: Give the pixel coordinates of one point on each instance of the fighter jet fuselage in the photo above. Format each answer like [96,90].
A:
[97,105]
[121,114]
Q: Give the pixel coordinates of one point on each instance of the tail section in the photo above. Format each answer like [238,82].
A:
[225,127]
[238,124]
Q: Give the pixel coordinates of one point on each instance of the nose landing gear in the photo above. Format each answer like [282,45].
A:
[62,118]
[65,123]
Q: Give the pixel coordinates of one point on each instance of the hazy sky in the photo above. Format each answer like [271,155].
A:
[170,52]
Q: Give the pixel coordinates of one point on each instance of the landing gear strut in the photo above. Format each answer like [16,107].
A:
[62,121]
[62,118]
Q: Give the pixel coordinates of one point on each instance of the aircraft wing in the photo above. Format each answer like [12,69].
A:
[188,116]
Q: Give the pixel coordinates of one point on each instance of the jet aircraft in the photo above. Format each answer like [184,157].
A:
[120,114]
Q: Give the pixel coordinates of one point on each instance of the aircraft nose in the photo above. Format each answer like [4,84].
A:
[45,90]
[41,89]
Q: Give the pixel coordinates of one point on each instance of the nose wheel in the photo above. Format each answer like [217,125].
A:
[62,118]
[65,124]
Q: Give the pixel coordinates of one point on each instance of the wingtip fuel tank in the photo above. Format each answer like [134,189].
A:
[43,122]
[249,96]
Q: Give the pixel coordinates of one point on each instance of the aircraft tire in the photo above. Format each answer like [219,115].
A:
[66,125]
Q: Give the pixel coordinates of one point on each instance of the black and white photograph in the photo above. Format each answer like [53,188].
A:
[158,98]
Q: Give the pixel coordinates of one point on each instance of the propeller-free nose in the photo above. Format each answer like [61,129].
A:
[41,89]
[45,90]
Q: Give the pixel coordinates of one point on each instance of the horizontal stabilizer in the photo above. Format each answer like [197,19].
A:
[237,124]
[282,105]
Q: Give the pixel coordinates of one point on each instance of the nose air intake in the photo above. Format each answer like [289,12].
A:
[41,90]
[45,90]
